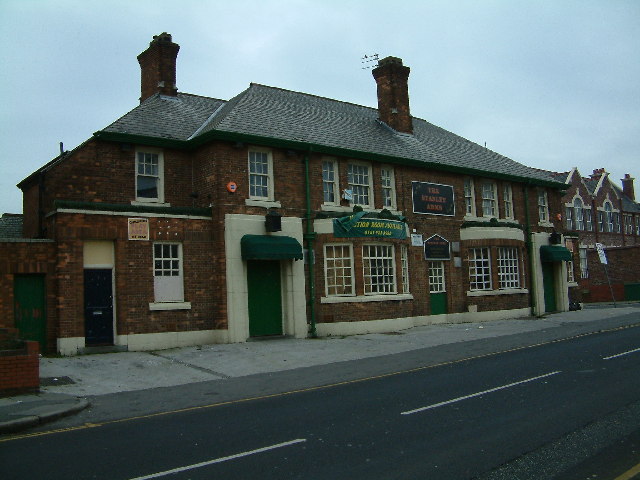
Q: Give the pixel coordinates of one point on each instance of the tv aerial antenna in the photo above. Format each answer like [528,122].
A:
[369,61]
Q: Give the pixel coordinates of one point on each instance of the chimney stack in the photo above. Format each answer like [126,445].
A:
[158,67]
[627,187]
[393,94]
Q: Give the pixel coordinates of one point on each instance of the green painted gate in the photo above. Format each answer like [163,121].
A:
[548,279]
[30,313]
[265,298]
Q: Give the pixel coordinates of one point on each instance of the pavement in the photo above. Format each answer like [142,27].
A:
[68,384]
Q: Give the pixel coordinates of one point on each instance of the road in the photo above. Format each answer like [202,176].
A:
[528,413]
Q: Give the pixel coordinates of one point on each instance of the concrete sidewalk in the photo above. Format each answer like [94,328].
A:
[66,381]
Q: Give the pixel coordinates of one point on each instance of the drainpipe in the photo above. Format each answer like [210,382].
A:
[309,237]
[529,244]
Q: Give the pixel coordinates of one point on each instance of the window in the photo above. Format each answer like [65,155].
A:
[628,224]
[508,267]
[570,276]
[543,207]
[330,182]
[508,201]
[637,224]
[601,221]
[588,219]
[436,277]
[379,271]
[469,198]
[479,269]
[584,266]
[149,176]
[569,218]
[404,259]
[388,188]
[579,213]
[489,200]
[616,222]
[359,180]
[608,213]
[167,272]
[338,269]
[260,175]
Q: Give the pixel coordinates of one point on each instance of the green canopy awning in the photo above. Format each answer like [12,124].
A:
[270,247]
[555,253]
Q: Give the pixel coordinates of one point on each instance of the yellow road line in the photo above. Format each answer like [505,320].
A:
[303,390]
[629,474]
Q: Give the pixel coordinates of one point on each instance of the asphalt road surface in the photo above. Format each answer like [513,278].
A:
[529,413]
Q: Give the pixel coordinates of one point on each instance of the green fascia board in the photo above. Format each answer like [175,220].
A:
[116,207]
[555,253]
[315,148]
[270,247]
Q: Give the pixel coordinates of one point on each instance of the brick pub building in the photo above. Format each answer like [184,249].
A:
[194,220]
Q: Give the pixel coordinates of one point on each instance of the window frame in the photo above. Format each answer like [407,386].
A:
[437,277]
[368,186]
[489,200]
[508,268]
[388,185]
[159,198]
[469,197]
[388,266]
[628,223]
[267,176]
[588,217]
[569,214]
[482,263]
[578,208]
[584,262]
[404,263]
[333,183]
[543,207]
[507,201]
[608,217]
[328,268]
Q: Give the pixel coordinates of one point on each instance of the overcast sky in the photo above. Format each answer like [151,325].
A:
[552,84]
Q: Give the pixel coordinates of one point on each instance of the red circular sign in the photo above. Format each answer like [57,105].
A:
[232,187]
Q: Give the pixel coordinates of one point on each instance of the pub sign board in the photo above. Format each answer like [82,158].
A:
[436,248]
[433,199]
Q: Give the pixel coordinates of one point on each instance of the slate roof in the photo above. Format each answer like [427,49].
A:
[284,115]
[10,226]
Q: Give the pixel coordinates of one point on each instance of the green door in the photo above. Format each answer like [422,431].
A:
[437,288]
[29,302]
[548,279]
[265,297]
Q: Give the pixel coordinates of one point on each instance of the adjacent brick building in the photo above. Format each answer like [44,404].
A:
[196,220]
[596,210]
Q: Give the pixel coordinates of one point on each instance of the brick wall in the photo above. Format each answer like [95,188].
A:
[20,370]
[621,268]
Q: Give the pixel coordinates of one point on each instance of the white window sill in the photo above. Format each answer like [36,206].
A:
[367,298]
[150,203]
[506,291]
[545,224]
[157,306]
[251,202]
[572,284]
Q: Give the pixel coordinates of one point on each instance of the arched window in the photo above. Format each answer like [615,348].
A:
[577,206]
[608,227]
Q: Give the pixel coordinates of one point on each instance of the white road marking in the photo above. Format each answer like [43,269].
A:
[220,460]
[622,354]
[436,405]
